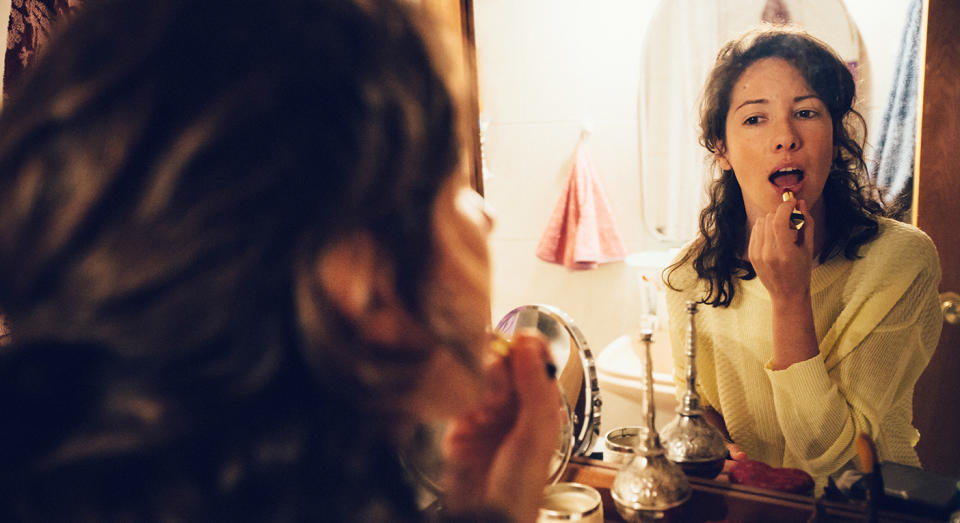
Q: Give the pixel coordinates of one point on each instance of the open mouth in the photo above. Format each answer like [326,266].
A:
[787,177]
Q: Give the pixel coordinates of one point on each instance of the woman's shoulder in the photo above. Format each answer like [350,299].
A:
[898,236]
[679,275]
[899,245]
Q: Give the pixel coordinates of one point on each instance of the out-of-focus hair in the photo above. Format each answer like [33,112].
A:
[168,170]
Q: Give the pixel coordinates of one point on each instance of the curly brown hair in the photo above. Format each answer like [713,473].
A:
[850,200]
[167,168]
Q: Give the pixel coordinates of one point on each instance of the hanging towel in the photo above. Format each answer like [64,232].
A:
[581,233]
[895,147]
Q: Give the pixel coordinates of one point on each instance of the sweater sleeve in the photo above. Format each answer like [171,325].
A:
[822,407]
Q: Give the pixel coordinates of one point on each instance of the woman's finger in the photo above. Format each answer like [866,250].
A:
[532,381]
[755,248]
[728,466]
[785,234]
[771,234]
[736,453]
[808,226]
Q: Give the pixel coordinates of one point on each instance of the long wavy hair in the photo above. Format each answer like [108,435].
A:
[168,168]
[850,200]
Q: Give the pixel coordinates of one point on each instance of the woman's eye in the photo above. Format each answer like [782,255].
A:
[753,120]
[806,113]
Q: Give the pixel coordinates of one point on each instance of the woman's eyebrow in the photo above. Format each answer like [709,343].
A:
[764,100]
[748,102]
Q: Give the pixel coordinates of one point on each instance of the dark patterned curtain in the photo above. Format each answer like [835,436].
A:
[31,23]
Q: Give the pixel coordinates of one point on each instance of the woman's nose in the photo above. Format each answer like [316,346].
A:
[786,138]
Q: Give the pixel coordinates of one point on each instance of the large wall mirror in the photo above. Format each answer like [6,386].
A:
[678,50]
[621,78]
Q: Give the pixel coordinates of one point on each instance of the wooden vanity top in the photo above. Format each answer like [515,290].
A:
[718,500]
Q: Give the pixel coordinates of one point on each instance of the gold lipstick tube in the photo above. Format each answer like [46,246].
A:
[796,217]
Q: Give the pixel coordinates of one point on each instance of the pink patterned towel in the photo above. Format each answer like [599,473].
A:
[581,233]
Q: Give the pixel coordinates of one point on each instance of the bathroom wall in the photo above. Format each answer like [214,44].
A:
[547,68]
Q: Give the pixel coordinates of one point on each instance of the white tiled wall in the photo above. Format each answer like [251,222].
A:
[548,66]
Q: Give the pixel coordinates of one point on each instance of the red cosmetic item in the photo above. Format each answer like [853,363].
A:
[756,474]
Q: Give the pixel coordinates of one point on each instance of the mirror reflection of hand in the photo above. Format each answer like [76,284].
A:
[783,265]
[736,454]
[499,454]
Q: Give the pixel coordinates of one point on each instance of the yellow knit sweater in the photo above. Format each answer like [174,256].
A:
[878,322]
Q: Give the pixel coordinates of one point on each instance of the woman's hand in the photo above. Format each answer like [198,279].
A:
[499,454]
[782,256]
[783,259]
[736,453]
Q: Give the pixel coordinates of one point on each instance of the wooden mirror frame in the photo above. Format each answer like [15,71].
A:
[936,192]
[458,16]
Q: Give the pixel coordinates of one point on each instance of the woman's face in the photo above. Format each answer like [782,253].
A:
[779,136]
[458,298]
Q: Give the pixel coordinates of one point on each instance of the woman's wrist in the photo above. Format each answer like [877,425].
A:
[793,302]
[794,332]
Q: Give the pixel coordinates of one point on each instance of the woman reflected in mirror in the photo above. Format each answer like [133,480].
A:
[241,260]
[819,325]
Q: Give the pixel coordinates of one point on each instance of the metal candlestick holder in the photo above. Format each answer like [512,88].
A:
[650,483]
[689,440]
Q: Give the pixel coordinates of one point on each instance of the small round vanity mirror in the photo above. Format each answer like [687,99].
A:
[576,378]
[577,375]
